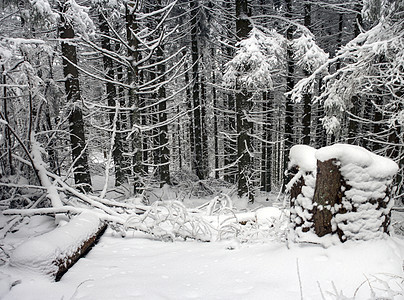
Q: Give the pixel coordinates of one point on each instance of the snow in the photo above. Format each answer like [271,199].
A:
[372,164]
[268,214]
[308,55]
[303,156]
[257,57]
[39,253]
[138,267]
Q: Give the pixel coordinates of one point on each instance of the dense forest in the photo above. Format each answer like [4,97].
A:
[151,93]
[201,149]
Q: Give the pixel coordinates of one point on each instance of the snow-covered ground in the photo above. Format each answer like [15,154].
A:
[139,267]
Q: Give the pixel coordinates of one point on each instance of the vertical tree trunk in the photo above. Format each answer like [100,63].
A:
[215,120]
[133,79]
[190,128]
[205,147]
[353,126]
[123,117]
[266,159]
[307,97]
[180,138]
[289,86]
[7,135]
[229,147]
[117,152]
[243,107]
[72,88]
[163,130]
[199,159]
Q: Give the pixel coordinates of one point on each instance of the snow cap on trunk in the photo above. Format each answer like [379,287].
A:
[303,156]
[375,165]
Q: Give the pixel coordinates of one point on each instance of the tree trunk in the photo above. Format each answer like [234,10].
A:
[307,97]
[117,152]
[326,195]
[133,79]
[266,161]
[243,107]
[289,86]
[191,126]
[163,129]
[215,121]
[7,135]
[353,127]
[205,146]
[199,159]
[72,88]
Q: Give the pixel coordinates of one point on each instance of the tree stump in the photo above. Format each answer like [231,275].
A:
[351,198]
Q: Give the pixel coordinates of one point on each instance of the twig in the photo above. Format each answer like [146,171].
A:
[300,280]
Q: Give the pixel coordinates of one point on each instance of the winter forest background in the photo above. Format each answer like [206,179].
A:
[161,120]
[159,92]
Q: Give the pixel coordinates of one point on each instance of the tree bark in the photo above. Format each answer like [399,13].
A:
[326,194]
[290,83]
[7,134]
[117,152]
[72,89]
[307,97]
[163,130]
[266,161]
[199,155]
[133,79]
[243,107]
[215,121]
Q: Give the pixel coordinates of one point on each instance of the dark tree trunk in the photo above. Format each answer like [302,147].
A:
[191,126]
[205,147]
[326,194]
[133,79]
[353,126]
[266,148]
[123,116]
[290,83]
[229,146]
[163,129]
[215,121]
[243,106]
[72,88]
[307,97]
[199,155]
[7,135]
[353,131]
[117,152]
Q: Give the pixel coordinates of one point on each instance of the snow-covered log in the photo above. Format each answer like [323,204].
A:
[350,198]
[53,253]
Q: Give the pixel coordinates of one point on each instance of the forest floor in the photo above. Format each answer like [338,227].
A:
[142,267]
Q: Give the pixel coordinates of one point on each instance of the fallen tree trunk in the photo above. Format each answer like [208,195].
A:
[53,253]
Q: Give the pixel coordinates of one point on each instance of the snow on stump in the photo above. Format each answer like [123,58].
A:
[53,253]
[351,197]
[302,170]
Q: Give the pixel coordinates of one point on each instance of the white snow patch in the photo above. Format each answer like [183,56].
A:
[303,156]
[137,267]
